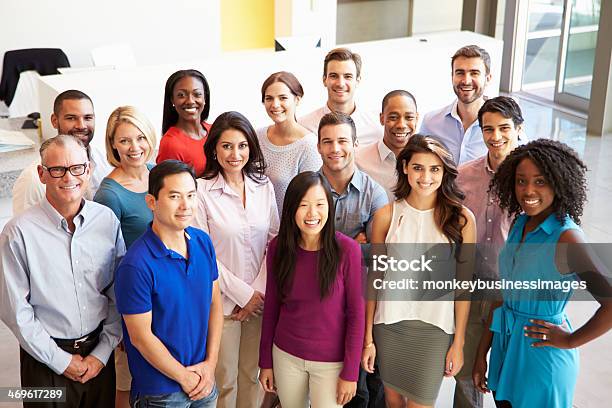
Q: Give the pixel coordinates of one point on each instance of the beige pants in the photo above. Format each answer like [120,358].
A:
[124,378]
[237,369]
[297,379]
[466,394]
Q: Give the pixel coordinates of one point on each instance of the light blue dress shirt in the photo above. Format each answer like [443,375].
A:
[446,125]
[57,283]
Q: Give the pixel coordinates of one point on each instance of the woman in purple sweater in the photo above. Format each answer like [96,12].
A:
[313,322]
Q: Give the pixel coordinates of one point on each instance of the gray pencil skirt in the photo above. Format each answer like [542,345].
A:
[411,356]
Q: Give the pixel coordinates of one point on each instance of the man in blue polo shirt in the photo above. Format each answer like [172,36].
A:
[169,299]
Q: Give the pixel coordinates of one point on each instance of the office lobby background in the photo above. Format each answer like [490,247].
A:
[553,56]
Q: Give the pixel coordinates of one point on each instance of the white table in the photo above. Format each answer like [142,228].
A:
[418,64]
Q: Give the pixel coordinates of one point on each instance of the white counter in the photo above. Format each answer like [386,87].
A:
[421,67]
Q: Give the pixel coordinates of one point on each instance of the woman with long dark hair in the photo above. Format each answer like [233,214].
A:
[236,206]
[534,356]
[417,342]
[184,127]
[313,312]
[289,148]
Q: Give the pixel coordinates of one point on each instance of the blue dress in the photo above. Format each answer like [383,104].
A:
[524,375]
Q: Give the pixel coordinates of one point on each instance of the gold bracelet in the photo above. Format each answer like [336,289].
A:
[367,346]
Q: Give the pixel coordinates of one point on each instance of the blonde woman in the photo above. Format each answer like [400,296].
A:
[130,141]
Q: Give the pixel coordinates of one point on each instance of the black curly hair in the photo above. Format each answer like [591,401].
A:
[560,166]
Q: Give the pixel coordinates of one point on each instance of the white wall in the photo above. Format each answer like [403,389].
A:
[372,20]
[158,30]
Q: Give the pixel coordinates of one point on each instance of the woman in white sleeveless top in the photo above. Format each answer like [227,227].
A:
[418,342]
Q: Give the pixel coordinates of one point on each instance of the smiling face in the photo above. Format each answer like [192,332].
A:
[188,98]
[336,147]
[469,79]
[173,208]
[131,145]
[533,192]
[232,151]
[499,134]
[67,190]
[424,172]
[76,118]
[312,212]
[399,119]
[341,81]
[279,102]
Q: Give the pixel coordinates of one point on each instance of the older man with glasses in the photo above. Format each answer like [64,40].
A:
[57,263]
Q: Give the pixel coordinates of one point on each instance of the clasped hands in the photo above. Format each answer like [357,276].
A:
[253,308]
[83,369]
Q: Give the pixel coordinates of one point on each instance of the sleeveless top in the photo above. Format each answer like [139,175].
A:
[412,226]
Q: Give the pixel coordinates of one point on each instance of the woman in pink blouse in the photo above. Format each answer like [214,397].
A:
[237,208]
[313,323]
[184,126]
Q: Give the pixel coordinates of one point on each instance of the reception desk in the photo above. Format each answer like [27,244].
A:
[419,64]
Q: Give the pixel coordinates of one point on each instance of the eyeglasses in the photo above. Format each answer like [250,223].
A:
[59,171]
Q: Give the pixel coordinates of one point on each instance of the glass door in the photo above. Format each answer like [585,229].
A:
[577,55]
[559,50]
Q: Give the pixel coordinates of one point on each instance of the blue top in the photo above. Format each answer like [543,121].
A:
[524,375]
[129,207]
[446,125]
[178,292]
[355,207]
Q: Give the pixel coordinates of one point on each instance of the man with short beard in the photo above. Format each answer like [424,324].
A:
[456,125]
[73,114]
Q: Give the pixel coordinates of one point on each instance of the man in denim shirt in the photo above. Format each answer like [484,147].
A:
[356,198]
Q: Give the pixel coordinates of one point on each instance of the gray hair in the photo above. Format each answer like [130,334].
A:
[61,140]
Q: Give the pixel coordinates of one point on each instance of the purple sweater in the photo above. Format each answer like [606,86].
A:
[307,327]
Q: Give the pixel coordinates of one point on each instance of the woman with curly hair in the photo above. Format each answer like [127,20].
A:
[413,339]
[534,361]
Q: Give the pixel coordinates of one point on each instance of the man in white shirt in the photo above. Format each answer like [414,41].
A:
[73,114]
[399,117]
[456,125]
[341,77]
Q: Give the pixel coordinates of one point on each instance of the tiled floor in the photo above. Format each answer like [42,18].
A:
[594,389]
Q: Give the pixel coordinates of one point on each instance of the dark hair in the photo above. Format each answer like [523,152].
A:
[398,92]
[334,119]
[70,94]
[342,54]
[473,51]
[255,166]
[503,105]
[560,166]
[165,169]
[286,78]
[170,116]
[288,238]
[448,212]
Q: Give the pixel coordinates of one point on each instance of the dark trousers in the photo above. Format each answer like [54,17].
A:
[370,391]
[97,392]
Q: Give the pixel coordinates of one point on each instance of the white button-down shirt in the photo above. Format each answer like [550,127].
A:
[378,161]
[240,235]
[446,125]
[57,283]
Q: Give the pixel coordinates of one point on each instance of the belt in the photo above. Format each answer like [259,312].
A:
[504,319]
[82,345]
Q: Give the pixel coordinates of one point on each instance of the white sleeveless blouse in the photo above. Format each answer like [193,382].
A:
[409,225]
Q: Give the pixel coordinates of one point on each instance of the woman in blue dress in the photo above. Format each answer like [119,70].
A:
[534,360]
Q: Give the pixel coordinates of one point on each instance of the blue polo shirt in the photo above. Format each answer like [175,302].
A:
[178,292]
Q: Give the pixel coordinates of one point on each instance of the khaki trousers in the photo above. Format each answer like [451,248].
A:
[237,369]
[298,379]
[466,395]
